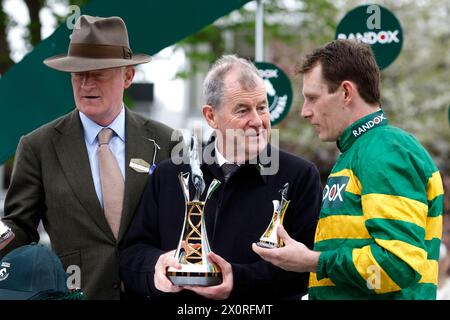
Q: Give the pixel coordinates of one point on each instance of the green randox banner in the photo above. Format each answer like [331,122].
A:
[376,26]
[32,94]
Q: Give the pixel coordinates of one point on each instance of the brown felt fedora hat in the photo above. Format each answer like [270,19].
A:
[97,43]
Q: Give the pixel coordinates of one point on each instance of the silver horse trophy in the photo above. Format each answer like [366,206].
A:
[270,238]
[193,247]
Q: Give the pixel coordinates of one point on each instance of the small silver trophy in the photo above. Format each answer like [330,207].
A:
[270,238]
[6,234]
[193,247]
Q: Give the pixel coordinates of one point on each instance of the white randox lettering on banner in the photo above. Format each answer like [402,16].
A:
[371,37]
[368,125]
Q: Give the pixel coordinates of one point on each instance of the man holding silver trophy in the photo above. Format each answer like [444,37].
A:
[221,201]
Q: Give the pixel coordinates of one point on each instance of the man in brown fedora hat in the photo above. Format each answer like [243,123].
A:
[83,174]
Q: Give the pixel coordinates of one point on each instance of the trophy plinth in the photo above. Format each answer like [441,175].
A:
[194,275]
[195,279]
[270,239]
[193,247]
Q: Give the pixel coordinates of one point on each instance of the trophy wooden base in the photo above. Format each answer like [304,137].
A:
[202,279]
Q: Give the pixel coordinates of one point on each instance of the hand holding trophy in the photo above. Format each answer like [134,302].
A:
[270,238]
[6,235]
[193,247]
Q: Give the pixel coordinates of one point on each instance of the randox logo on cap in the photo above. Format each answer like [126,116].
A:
[4,270]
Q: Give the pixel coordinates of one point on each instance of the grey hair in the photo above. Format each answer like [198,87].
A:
[214,86]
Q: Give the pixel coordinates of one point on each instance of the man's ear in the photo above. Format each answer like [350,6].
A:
[128,76]
[210,115]
[348,90]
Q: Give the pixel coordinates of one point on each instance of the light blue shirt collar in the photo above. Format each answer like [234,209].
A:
[91,129]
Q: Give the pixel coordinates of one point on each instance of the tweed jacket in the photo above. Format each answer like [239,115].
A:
[52,182]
